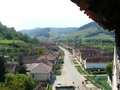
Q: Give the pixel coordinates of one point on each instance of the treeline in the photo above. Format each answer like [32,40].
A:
[100,40]
[104,44]
[88,26]
[44,32]
[13,43]
[11,34]
[99,32]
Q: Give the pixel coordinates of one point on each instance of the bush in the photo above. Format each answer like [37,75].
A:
[50,87]
[58,73]
[61,61]
[99,72]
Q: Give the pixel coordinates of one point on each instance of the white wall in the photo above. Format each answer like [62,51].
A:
[41,76]
[96,65]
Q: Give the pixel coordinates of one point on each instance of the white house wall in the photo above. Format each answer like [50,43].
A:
[40,76]
[98,65]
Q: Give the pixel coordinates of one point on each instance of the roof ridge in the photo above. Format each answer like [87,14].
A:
[35,67]
[45,67]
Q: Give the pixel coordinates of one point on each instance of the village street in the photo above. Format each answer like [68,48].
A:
[70,75]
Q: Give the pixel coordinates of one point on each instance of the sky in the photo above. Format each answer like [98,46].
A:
[29,14]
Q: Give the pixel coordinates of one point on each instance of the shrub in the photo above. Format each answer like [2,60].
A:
[58,73]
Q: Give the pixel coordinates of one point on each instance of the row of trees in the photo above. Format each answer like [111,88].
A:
[43,32]
[104,44]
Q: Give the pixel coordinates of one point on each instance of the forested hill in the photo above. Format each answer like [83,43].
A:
[7,33]
[97,27]
[49,32]
[90,31]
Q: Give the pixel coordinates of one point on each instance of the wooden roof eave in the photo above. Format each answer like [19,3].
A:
[96,13]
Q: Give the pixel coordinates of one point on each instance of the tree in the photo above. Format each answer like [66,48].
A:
[109,69]
[15,85]
[80,42]
[40,51]
[21,68]
[19,82]
[2,68]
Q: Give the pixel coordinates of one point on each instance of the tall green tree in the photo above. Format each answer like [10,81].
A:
[19,82]
[40,51]
[109,70]
[2,68]
[21,68]
[80,42]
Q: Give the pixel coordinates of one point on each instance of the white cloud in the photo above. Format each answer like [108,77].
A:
[32,13]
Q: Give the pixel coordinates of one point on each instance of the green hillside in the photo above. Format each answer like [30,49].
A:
[46,33]
[13,43]
[92,35]
[65,31]
[49,33]
[90,31]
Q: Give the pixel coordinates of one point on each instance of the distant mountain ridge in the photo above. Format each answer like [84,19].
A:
[90,31]
[49,32]
[88,25]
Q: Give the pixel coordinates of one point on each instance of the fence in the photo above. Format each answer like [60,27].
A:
[97,79]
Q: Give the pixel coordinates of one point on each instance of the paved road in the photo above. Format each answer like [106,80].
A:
[70,75]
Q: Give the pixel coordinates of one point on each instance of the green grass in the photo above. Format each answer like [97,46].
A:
[62,61]
[4,89]
[80,70]
[49,87]
[101,36]
[91,79]
[104,81]
[9,41]
[75,62]
[58,72]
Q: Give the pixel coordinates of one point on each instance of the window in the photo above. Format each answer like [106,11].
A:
[33,76]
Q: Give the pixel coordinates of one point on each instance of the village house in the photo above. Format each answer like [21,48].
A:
[39,87]
[52,57]
[91,57]
[96,62]
[43,59]
[11,66]
[29,59]
[40,71]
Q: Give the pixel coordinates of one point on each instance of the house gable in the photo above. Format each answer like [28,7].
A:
[41,68]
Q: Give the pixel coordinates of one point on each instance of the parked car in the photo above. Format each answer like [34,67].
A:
[59,84]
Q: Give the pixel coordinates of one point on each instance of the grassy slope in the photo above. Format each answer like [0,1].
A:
[9,41]
[54,34]
[102,36]
[83,33]
[80,34]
